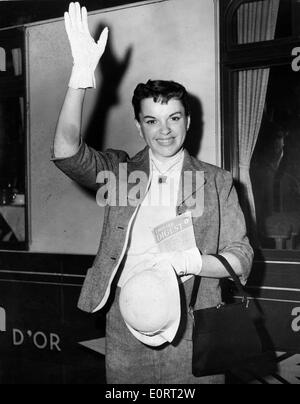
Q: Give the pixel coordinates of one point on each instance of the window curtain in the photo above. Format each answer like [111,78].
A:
[256,22]
[2,60]
[17,61]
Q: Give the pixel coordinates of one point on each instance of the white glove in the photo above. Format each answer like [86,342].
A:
[85,51]
[188,262]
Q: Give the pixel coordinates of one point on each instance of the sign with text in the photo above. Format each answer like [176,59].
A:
[175,235]
[41,331]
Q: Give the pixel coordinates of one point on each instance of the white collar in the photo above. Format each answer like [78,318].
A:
[173,161]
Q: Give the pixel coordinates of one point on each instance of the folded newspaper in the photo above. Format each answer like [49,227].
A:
[175,235]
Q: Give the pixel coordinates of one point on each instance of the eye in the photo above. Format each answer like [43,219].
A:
[176,118]
[151,122]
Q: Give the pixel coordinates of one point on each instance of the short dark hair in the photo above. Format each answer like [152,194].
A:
[161,91]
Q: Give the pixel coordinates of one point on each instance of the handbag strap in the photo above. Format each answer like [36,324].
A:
[231,272]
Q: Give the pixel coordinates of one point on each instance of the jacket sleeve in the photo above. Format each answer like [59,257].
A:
[84,166]
[233,233]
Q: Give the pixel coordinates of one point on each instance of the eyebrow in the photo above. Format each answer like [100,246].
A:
[153,117]
[149,117]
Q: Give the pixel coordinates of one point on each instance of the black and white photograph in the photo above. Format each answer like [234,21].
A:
[150,194]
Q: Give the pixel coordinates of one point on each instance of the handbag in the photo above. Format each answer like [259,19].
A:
[225,336]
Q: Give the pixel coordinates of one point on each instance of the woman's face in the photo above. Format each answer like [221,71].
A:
[163,126]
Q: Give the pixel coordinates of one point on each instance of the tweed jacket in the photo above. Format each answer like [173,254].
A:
[219,228]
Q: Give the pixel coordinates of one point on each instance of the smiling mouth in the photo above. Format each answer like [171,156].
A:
[165,142]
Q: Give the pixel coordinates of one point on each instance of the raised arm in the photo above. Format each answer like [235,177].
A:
[86,55]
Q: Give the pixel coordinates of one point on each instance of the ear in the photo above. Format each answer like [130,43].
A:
[138,125]
[188,123]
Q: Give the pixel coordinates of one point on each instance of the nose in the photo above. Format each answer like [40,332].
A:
[164,129]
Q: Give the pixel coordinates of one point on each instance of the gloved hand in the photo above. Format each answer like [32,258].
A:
[85,51]
[188,262]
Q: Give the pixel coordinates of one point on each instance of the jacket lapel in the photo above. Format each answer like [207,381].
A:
[138,172]
[191,187]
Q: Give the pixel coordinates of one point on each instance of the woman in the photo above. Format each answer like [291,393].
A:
[162,118]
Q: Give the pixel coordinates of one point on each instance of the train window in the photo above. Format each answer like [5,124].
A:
[256,21]
[260,85]
[12,142]
[252,13]
[12,172]
[275,163]
[265,158]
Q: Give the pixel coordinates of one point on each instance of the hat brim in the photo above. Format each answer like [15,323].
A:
[166,274]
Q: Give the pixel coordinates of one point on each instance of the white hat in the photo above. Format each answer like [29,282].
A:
[150,304]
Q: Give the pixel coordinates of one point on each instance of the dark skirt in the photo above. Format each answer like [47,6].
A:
[129,361]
